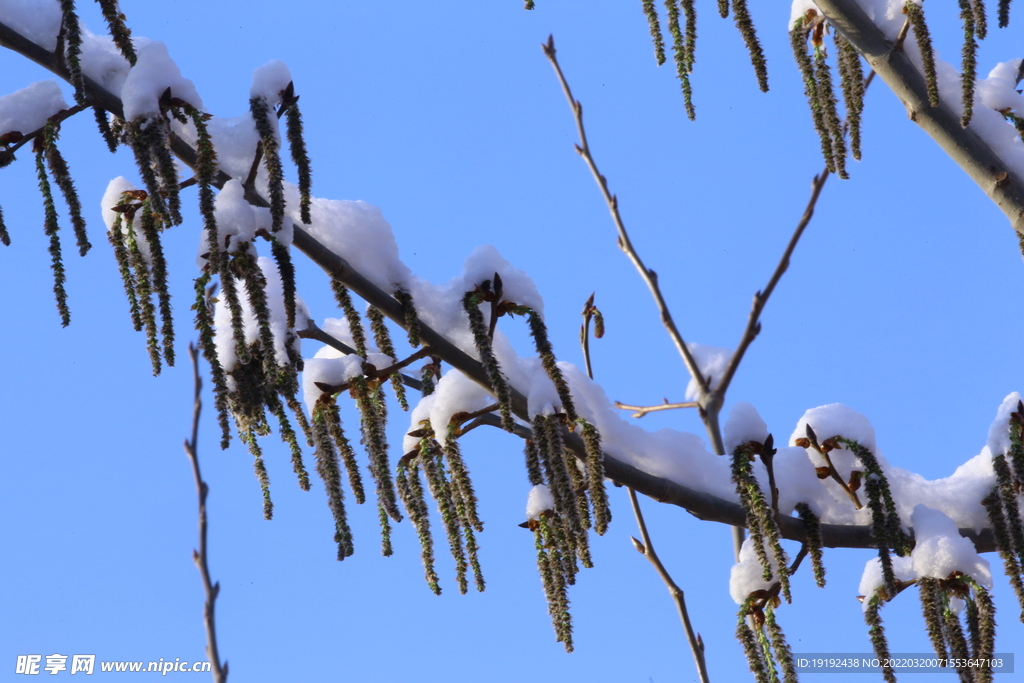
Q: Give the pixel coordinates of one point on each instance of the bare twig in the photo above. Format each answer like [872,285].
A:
[804,549]
[220,671]
[646,548]
[588,313]
[643,410]
[761,298]
[648,275]
[696,646]
[710,402]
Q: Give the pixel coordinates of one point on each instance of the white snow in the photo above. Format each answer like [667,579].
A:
[999,90]
[747,575]
[836,420]
[516,285]
[342,331]
[234,139]
[152,74]
[358,233]
[999,431]
[711,362]
[103,62]
[265,222]
[800,9]
[455,393]
[236,223]
[37,20]
[330,370]
[27,110]
[538,502]
[872,579]
[542,397]
[112,197]
[743,426]
[798,483]
[420,412]
[129,225]
[940,549]
[269,80]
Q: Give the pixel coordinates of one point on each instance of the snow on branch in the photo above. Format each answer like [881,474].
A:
[993,174]
[703,499]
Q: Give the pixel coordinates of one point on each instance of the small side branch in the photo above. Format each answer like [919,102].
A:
[646,548]
[7,154]
[316,334]
[373,374]
[648,275]
[643,410]
[220,671]
[761,298]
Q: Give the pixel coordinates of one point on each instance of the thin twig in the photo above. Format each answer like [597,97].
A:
[648,275]
[674,590]
[710,402]
[462,418]
[588,314]
[315,333]
[220,671]
[382,373]
[643,410]
[647,547]
[761,298]
[804,549]
[7,154]
[250,181]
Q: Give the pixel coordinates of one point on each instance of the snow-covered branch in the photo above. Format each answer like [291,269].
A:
[705,501]
[993,174]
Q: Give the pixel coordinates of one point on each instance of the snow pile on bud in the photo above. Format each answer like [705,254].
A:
[27,109]
[538,502]
[152,75]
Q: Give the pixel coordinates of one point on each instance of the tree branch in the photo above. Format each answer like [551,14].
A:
[702,505]
[761,298]
[647,547]
[647,550]
[648,275]
[643,410]
[963,145]
[220,672]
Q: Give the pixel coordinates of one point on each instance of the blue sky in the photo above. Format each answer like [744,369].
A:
[902,302]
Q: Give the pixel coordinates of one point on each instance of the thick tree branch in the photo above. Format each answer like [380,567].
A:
[963,145]
[702,505]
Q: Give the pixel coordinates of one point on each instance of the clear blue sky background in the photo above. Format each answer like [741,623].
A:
[903,302]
